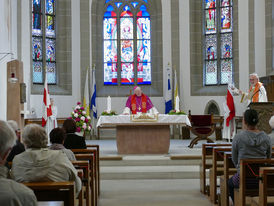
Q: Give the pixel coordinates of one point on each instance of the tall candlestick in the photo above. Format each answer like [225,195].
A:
[177,104]
[108,104]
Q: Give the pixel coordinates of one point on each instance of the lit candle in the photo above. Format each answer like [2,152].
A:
[177,104]
[108,104]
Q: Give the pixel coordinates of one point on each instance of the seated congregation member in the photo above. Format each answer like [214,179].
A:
[57,138]
[248,144]
[73,141]
[38,163]
[139,102]
[11,192]
[271,135]
[18,147]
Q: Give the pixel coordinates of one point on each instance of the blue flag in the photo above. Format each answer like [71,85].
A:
[168,92]
[93,97]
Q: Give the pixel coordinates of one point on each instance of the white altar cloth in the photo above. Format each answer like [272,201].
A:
[163,119]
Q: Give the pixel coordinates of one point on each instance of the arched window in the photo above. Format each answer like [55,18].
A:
[127,43]
[218,62]
[43,41]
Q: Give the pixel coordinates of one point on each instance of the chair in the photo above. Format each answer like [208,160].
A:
[202,126]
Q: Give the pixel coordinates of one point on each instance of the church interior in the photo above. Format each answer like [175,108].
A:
[185,55]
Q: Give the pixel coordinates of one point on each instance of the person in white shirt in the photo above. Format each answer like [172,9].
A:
[52,120]
[11,192]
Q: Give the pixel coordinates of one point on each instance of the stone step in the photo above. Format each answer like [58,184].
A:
[152,160]
[149,172]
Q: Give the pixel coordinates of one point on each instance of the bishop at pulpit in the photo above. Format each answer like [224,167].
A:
[139,102]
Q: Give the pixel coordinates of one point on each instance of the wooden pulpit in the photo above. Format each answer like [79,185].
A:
[265,111]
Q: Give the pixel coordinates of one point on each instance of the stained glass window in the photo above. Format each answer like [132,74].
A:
[43,41]
[218,66]
[127,43]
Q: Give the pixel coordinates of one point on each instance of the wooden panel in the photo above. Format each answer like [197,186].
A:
[145,139]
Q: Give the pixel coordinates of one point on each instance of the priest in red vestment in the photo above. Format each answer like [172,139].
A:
[139,102]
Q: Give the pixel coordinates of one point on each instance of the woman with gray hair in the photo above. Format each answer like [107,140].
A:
[12,193]
[38,163]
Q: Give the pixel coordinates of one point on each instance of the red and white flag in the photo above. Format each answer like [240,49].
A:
[47,112]
[229,114]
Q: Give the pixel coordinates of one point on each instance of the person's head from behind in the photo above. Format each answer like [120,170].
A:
[251,118]
[13,124]
[34,136]
[271,122]
[57,136]
[69,126]
[137,91]
[253,78]
[7,140]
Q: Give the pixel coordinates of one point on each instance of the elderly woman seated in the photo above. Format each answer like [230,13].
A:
[38,163]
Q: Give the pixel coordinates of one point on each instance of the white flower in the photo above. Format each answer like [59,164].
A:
[89,128]
[84,126]
[82,118]
[83,112]
[77,107]
[88,117]
[76,115]
[72,113]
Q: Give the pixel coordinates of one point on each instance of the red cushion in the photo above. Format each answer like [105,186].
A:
[200,120]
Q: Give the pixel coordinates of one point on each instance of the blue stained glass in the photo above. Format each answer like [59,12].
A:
[127,51]
[36,25]
[110,12]
[225,2]
[51,73]
[210,4]
[126,12]
[107,1]
[50,50]
[143,11]
[226,45]
[110,28]
[143,28]
[110,51]
[210,21]
[110,73]
[134,4]
[127,73]
[211,47]
[36,6]
[37,72]
[126,8]
[50,7]
[50,31]
[226,19]
[144,73]
[126,28]
[145,1]
[211,72]
[226,70]
[118,4]
[37,48]
[143,51]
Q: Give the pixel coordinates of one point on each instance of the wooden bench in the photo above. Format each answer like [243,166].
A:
[91,159]
[229,170]
[217,169]
[54,191]
[206,164]
[84,166]
[249,168]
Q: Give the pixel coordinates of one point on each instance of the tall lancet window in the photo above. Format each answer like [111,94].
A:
[43,41]
[127,43]
[218,56]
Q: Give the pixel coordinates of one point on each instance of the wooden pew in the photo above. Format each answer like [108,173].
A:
[249,168]
[54,191]
[229,170]
[91,159]
[206,164]
[97,147]
[80,197]
[216,170]
[84,166]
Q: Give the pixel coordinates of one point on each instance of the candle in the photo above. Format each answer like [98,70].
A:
[108,104]
[177,104]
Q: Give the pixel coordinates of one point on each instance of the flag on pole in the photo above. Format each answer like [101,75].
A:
[229,114]
[168,92]
[47,112]
[175,88]
[86,96]
[93,93]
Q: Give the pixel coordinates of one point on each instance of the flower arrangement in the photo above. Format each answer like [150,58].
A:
[174,112]
[83,121]
[106,113]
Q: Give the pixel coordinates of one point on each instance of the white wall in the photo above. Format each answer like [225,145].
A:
[8,44]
